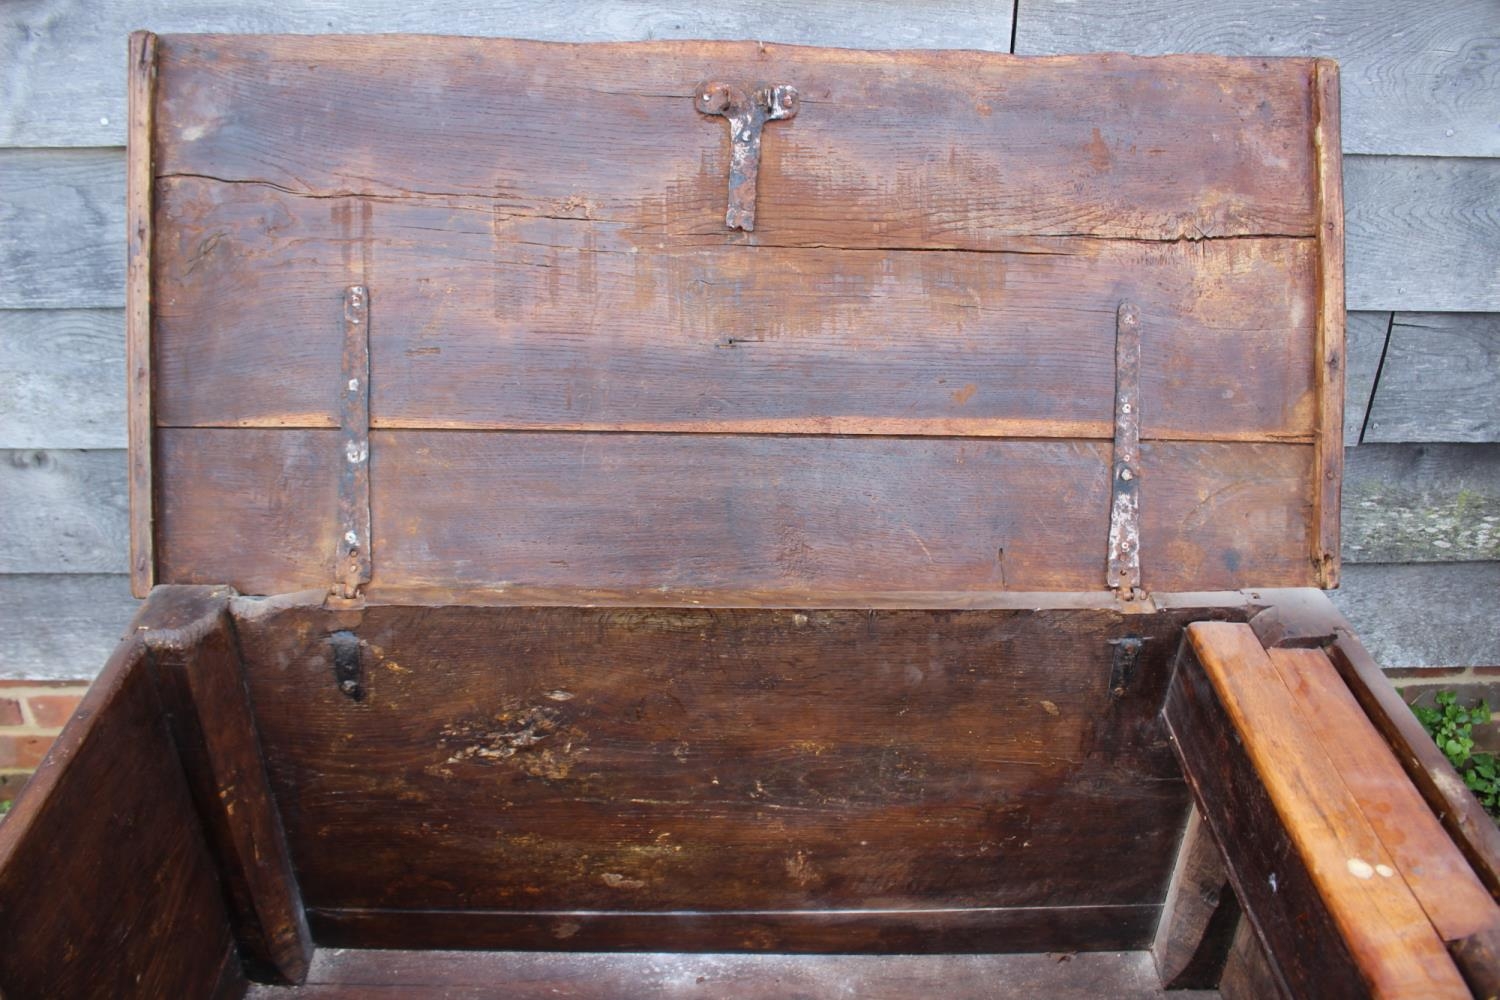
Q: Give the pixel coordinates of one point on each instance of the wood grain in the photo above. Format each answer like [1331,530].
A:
[1417,74]
[140,166]
[492,511]
[1423,235]
[1366,336]
[60,626]
[195,662]
[62,511]
[1439,379]
[63,215]
[60,384]
[1329,355]
[648,760]
[1330,844]
[890,149]
[1422,503]
[108,817]
[1424,615]
[558,324]
[339,973]
[1199,915]
[65,88]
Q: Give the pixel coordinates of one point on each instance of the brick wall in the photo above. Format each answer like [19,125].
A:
[32,713]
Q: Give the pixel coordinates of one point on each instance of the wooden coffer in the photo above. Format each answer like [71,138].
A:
[736,520]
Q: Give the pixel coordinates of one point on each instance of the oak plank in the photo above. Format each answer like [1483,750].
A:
[1390,939]
[108,816]
[195,662]
[1422,503]
[1417,76]
[66,87]
[60,626]
[62,511]
[870,160]
[1422,233]
[61,216]
[716,760]
[1424,615]
[1438,382]
[572,324]
[1329,351]
[341,973]
[489,511]
[60,384]
[140,162]
[1199,915]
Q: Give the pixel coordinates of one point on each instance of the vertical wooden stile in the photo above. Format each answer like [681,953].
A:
[138,186]
[1329,351]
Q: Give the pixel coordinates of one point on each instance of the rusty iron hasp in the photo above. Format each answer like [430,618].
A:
[352,559]
[747,114]
[1124,569]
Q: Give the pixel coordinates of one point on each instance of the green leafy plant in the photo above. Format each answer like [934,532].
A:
[1451,727]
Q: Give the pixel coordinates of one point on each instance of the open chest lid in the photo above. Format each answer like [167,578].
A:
[490,317]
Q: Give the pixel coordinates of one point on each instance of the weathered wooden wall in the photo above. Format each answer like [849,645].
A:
[1422,173]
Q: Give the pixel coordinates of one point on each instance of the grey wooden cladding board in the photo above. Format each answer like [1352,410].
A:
[61,627]
[1440,380]
[62,511]
[1421,503]
[65,85]
[1424,615]
[1419,76]
[1422,234]
[62,228]
[1364,339]
[62,378]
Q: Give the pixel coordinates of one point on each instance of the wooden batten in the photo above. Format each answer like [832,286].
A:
[140,180]
[1329,354]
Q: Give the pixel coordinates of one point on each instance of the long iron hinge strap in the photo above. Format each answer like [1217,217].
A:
[1124,570]
[352,565]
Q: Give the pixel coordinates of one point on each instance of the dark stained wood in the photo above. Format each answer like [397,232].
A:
[532,976]
[490,511]
[888,149]
[1438,380]
[1199,915]
[62,511]
[956,931]
[1478,958]
[195,659]
[647,760]
[106,887]
[1247,974]
[1328,352]
[140,222]
[577,323]
[1334,907]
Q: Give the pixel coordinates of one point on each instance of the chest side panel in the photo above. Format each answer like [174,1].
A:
[903,377]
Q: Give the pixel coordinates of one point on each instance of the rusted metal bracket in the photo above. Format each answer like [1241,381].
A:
[352,559]
[1124,570]
[747,114]
[347,673]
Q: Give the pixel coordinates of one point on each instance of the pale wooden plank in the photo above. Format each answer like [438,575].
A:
[1330,342]
[62,381]
[1439,379]
[1419,75]
[1365,333]
[1423,234]
[62,511]
[62,223]
[65,59]
[140,159]
[1422,503]
[1424,615]
[61,627]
